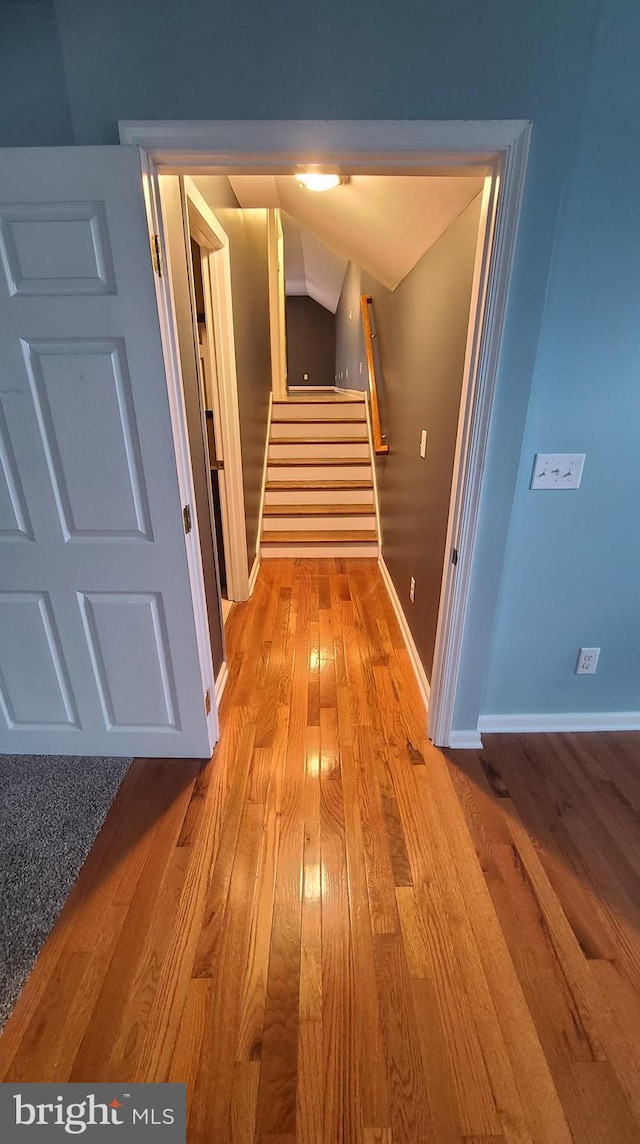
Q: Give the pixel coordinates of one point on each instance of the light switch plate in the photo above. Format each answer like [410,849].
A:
[557,471]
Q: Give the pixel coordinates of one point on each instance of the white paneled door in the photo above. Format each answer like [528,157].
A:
[98,650]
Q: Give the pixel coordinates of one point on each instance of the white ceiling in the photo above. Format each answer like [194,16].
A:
[383,223]
[310,266]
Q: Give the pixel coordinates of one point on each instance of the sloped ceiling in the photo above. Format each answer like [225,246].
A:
[310,266]
[383,223]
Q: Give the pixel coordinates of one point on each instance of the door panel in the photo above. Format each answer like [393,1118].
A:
[130,627]
[34,685]
[57,248]
[98,651]
[84,406]
[14,515]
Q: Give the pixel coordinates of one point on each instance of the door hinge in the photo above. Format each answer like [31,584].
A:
[186,517]
[207,702]
[454,556]
[156,254]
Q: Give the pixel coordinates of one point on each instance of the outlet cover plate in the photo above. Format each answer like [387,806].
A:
[557,470]
[587,660]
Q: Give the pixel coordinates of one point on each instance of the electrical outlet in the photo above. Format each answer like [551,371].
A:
[423,443]
[305,377]
[587,660]
[557,471]
[346,373]
[361,367]
[412,589]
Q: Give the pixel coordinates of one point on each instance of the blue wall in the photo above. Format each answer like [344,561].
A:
[34,106]
[572,574]
[569,65]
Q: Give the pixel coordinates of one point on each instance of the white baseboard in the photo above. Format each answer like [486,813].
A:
[253,576]
[465,740]
[569,721]
[325,389]
[416,662]
[221,682]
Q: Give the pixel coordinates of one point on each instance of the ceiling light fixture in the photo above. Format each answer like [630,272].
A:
[318,181]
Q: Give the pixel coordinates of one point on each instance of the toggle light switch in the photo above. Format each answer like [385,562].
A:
[557,471]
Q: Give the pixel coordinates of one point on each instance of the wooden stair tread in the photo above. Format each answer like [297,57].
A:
[321,399]
[319,510]
[289,462]
[349,536]
[320,486]
[318,420]
[318,441]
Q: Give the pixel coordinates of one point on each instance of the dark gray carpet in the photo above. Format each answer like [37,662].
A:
[51,808]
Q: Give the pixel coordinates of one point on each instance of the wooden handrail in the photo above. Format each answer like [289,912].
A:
[379,443]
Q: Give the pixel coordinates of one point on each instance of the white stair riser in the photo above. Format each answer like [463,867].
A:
[319,451]
[319,472]
[319,496]
[319,523]
[317,551]
[337,409]
[303,430]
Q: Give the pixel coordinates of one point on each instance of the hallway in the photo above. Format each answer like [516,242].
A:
[337,935]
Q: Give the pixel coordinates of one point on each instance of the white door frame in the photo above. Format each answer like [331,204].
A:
[218,303]
[497,148]
[277,305]
[171,354]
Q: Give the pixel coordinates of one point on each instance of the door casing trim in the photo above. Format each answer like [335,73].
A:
[495,148]
[204,226]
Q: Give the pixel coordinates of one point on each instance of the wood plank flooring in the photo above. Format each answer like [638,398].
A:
[335,933]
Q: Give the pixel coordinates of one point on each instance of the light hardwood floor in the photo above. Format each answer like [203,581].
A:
[336,934]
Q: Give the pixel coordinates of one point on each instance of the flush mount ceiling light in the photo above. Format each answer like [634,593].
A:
[319,181]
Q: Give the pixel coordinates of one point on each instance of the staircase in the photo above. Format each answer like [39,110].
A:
[319,492]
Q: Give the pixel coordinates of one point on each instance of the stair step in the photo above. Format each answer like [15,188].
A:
[348,536]
[319,510]
[318,440]
[318,421]
[316,486]
[287,462]
[318,432]
[324,411]
[318,399]
[311,494]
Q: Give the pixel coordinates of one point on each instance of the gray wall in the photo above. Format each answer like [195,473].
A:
[351,361]
[247,231]
[311,342]
[421,331]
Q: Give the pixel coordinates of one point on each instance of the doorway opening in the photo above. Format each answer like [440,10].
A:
[494,152]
